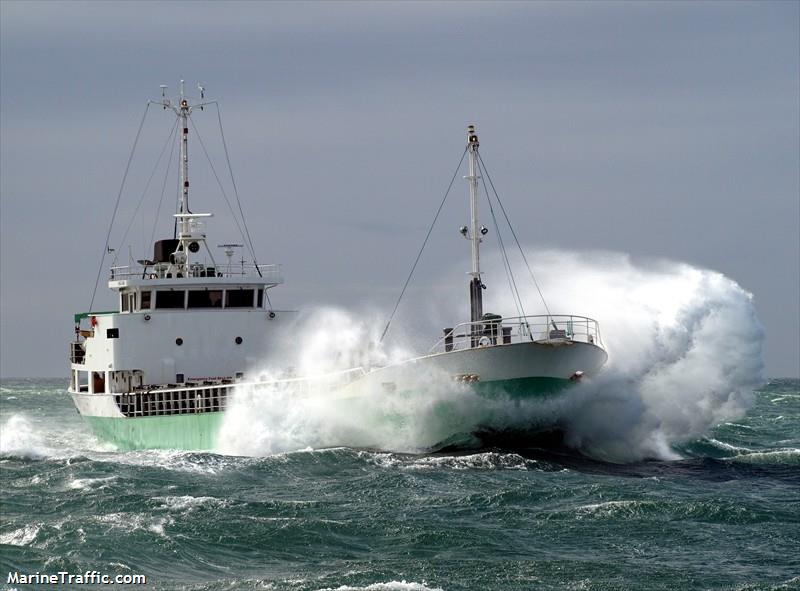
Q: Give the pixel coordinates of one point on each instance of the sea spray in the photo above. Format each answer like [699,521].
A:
[20,438]
[684,355]
[685,351]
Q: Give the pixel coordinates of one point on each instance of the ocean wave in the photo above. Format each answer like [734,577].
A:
[91,483]
[188,503]
[179,460]
[390,586]
[26,438]
[23,536]
[479,461]
[790,455]
[728,446]
[130,522]
[19,438]
[609,508]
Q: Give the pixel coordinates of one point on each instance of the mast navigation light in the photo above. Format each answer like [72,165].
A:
[472,137]
[484,230]
[464,231]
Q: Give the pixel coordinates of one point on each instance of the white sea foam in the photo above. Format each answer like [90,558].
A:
[609,508]
[23,536]
[22,436]
[131,522]
[390,586]
[90,483]
[789,455]
[479,461]
[19,437]
[728,447]
[188,502]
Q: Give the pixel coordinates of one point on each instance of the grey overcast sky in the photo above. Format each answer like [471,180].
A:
[664,130]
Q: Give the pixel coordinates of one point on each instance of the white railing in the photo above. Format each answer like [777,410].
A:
[270,273]
[214,396]
[503,331]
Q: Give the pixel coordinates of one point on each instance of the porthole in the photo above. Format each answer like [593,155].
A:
[238,340]
[179,341]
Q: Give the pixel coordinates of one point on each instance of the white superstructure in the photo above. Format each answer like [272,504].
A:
[187,326]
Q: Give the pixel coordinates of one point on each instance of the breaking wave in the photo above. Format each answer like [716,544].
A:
[685,354]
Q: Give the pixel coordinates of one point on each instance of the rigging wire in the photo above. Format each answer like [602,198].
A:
[147,186]
[512,283]
[244,234]
[424,243]
[514,234]
[177,201]
[163,189]
[235,190]
[116,205]
[216,176]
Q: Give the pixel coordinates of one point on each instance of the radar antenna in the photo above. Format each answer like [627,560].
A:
[229,252]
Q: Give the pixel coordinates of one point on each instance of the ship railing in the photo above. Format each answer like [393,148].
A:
[286,379]
[270,273]
[495,330]
[216,395]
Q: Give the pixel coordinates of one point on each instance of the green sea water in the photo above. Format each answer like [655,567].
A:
[511,513]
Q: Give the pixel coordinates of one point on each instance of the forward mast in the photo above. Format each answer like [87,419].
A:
[475,232]
[190,228]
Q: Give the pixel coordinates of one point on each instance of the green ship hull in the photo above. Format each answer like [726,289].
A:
[198,432]
[185,431]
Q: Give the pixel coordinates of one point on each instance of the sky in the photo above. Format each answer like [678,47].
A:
[662,130]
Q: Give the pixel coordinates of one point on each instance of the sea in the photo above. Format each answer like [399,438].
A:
[504,512]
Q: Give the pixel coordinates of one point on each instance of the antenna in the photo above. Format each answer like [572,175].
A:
[229,252]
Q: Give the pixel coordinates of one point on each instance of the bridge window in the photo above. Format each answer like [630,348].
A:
[82,381]
[98,382]
[125,307]
[144,300]
[260,298]
[239,298]
[211,298]
[170,299]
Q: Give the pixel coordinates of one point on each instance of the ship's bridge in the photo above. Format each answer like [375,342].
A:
[183,274]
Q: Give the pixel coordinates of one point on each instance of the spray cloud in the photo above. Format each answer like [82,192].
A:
[685,353]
